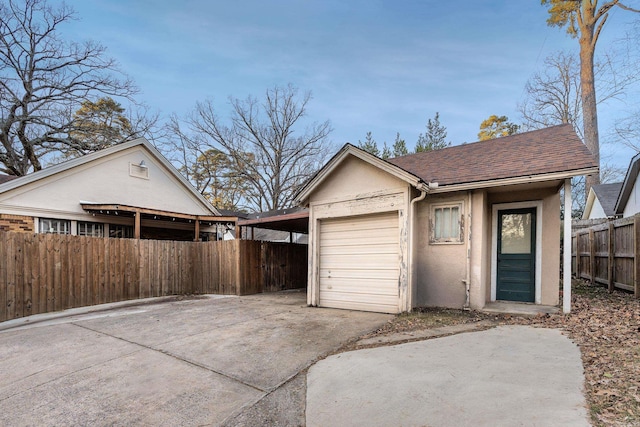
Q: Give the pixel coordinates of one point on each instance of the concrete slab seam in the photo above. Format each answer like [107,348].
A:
[104,362]
[167,353]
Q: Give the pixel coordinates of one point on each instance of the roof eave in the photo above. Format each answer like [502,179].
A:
[528,179]
[627,184]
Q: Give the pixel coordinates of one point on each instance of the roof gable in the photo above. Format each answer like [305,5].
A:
[602,197]
[607,195]
[350,150]
[74,171]
[554,150]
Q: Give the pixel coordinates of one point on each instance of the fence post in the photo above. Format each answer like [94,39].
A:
[636,258]
[612,259]
[592,256]
[578,255]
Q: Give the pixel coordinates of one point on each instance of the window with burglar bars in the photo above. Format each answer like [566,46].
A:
[446,223]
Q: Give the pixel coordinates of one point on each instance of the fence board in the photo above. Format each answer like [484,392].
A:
[608,253]
[48,272]
[11,277]
[4,255]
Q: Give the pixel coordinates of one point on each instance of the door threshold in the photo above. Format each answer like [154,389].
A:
[523,308]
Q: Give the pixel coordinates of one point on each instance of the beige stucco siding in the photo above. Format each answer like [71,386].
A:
[440,268]
[354,177]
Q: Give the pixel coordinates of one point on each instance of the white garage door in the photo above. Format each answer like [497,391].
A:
[359,263]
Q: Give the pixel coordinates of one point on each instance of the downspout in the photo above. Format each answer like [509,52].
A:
[467,280]
[423,194]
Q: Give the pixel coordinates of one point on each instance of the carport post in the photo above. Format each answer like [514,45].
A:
[566,254]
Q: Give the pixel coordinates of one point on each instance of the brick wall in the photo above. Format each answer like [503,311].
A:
[17,223]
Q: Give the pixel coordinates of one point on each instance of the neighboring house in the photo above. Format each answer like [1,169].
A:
[601,201]
[458,227]
[128,190]
[628,202]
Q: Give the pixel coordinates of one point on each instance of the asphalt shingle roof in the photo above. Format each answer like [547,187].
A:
[608,195]
[545,151]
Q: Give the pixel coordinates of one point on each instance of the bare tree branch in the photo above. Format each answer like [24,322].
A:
[268,151]
[44,80]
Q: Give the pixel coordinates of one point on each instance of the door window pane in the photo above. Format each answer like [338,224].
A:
[516,233]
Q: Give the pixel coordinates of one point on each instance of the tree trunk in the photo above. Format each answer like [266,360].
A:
[588,93]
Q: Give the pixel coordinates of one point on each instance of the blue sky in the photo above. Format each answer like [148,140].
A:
[371,65]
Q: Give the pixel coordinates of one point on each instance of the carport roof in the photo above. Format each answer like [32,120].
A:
[294,220]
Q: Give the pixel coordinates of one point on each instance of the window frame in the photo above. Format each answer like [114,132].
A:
[93,225]
[43,230]
[125,228]
[457,240]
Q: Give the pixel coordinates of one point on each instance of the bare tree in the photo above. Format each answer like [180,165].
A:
[210,170]
[584,20]
[552,96]
[267,150]
[43,81]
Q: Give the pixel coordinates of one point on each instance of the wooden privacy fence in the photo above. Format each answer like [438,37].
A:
[41,273]
[609,254]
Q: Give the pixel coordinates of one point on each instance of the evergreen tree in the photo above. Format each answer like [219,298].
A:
[435,137]
[399,147]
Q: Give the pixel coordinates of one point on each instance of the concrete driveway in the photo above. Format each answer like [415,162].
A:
[203,361]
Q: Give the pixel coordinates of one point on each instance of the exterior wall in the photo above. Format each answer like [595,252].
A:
[440,267]
[106,180]
[596,210]
[633,204]
[16,223]
[356,188]
[551,226]
[480,234]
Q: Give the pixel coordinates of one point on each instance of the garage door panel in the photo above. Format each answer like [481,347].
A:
[377,261]
[346,280]
[359,262]
[390,306]
[356,250]
[361,237]
[354,291]
[339,225]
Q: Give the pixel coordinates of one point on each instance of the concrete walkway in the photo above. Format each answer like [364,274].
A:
[505,376]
